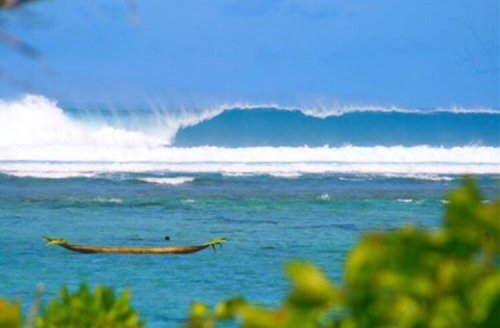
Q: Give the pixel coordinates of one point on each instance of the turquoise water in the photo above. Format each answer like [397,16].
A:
[269,221]
[280,183]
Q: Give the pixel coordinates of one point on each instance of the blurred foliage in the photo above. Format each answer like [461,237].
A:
[83,308]
[10,314]
[448,277]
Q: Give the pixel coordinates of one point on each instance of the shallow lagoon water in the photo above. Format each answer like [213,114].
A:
[269,221]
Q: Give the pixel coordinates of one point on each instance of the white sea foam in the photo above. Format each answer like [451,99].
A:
[83,169]
[356,178]
[325,196]
[35,121]
[236,174]
[411,160]
[174,181]
[420,176]
[48,174]
[284,174]
[405,200]
[112,200]
[274,173]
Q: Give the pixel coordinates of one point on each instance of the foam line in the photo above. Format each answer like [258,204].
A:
[421,171]
[205,154]
[174,181]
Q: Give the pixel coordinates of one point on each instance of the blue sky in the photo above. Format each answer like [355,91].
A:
[423,54]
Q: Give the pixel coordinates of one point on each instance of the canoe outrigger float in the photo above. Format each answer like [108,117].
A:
[89,249]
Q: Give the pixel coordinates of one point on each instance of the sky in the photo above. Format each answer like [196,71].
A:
[410,54]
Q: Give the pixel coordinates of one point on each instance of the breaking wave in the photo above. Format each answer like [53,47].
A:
[38,121]
[40,139]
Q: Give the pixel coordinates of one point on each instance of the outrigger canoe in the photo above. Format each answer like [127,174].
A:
[88,249]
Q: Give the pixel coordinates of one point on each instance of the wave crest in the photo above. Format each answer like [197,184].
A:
[36,120]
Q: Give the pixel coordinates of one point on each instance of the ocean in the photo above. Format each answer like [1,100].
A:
[280,183]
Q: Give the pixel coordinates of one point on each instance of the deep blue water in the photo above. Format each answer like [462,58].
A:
[273,127]
[269,221]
